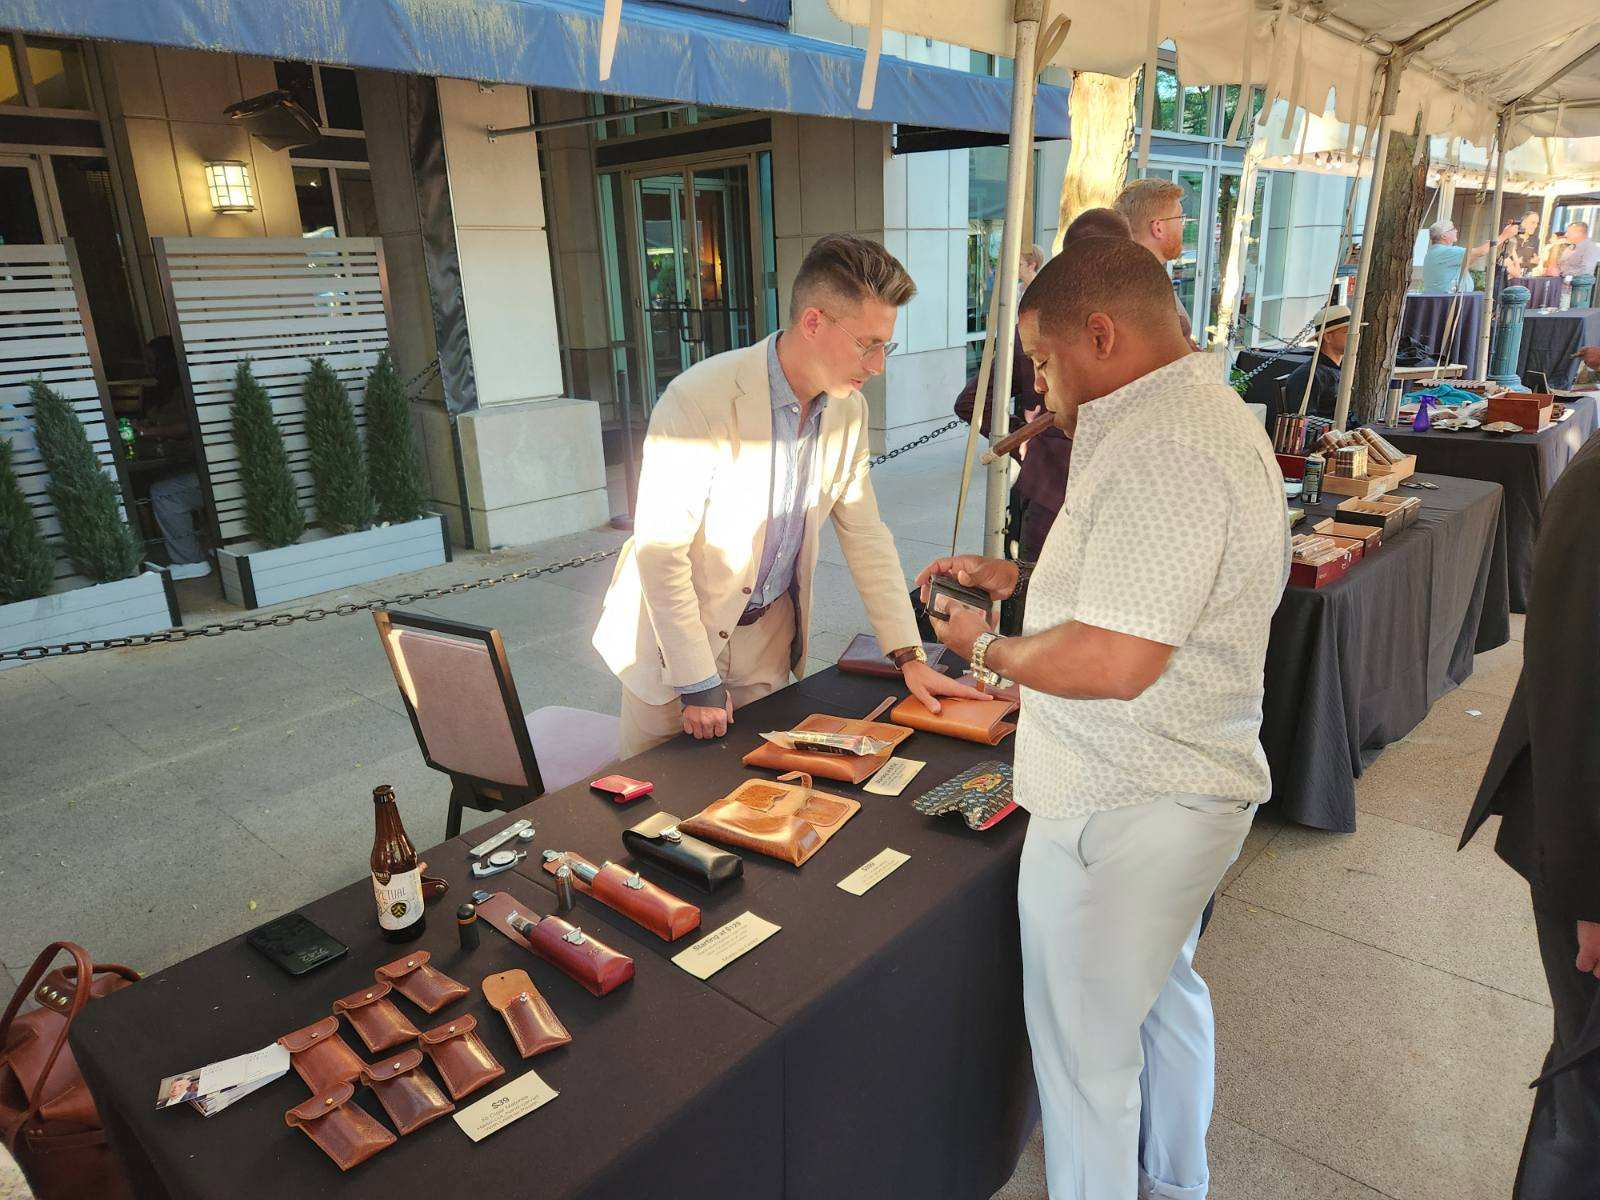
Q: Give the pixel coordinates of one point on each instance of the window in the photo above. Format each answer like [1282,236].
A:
[1165,113]
[1197,111]
[299,80]
[997,65]
[334,201]
[1230,102]
[986,209]
[652,123]
[10,77]
[313,188]
[329,94]
[43,73]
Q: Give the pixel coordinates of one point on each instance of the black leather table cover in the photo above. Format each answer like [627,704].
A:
[1526,465]
[1549,341]
[668,1090]
[1428,316]
[1356,664]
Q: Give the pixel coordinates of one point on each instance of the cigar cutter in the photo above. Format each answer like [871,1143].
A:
[500,860]
[521,830]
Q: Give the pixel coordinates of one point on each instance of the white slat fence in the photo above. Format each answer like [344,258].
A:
[45,333]
[280,302]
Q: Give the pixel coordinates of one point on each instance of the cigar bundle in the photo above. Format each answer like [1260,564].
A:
[1380,448]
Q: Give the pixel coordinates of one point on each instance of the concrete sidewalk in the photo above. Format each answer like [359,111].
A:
[1380,1004]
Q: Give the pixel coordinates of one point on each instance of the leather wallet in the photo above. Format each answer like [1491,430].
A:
[658,840]
[345,1131]
[534,1025]
[580,956]
[779,819]
[982,721]
[863,656]
[429,988]
[636,898]
[320,1056]
[375,1018]
[407,1092]
[464,1062]
[845,768]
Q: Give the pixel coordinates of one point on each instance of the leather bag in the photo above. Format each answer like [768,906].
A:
[843,768]
[783,820]
[982,721]
[863,656]
[657,839]
[47,1116]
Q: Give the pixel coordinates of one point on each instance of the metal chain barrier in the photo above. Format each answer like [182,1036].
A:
[280,620]
[1289,346]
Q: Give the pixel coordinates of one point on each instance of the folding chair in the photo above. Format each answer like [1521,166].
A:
[457,687]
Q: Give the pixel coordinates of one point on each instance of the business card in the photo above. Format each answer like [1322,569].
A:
[892,777]
[498,1109]
[870,873]
[719,948]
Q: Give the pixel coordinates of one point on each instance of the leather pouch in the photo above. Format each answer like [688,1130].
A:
[863,656]
[658,840]
[375,1018]
[779,819]
[464,1062]
[407,1092]
[982,721]
[533,1023]
[425,986]
[641,901]
[345,1131]
[580,956]
[320,1056]
[845,768]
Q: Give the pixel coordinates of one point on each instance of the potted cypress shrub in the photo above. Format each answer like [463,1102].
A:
[112,595]
[346,549]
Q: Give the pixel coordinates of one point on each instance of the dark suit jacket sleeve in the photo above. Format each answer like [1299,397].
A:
[1022,394]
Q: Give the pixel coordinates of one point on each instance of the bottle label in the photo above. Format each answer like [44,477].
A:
[399,900]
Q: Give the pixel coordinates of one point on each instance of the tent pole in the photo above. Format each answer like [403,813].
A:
[1485,328]
[1027,15]
[1392,70]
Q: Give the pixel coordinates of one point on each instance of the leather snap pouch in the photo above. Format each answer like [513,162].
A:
[320,1056]
[463,1060]
[658,840]
[533,1023]
[345,1131]
[407,1092]
[784,820]
[425,986]
[375,1018]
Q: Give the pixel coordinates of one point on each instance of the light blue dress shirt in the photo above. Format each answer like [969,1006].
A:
[789,483]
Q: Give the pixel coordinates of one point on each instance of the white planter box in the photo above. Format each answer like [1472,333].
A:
[143,603]
[255,578]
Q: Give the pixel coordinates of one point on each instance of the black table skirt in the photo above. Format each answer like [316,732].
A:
[1428,316]
[1357,664]
[1526,465]
[1549,341]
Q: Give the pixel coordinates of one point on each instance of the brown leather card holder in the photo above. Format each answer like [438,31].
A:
[374,1017]
[635,897]
[534,1025]
[320,1056]
[429,988]
[863,656]
[843,768]
[407,1092]
[464,1062]
[344,1130]
[784,820]
[982,721]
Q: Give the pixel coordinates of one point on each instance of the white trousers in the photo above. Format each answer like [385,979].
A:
[1120,1024]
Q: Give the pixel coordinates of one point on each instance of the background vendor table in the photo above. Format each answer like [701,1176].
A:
[1544,291]
[1549,341]
[874,1047]
[1427,315]
[1525,464]
[1356,664]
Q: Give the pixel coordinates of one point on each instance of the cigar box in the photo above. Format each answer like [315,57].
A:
[1389,513]
[1293,466]
[1531,410]
[1403,469]
[1365,486]
[1318,561]
[1370,535]
[1356,546]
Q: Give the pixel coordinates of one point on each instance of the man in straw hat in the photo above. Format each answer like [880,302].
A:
[1322,372]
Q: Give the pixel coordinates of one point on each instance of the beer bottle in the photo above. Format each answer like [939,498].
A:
[396,875]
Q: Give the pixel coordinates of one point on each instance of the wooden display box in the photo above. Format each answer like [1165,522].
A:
[1403,469]
[1531,410]
[1389,513]
[1364,487]
[1371,535]
[1322,570]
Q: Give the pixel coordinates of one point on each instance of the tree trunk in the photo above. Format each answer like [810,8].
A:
[1401,206]
[1101,107]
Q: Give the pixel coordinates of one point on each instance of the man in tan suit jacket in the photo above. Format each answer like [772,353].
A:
[748,453]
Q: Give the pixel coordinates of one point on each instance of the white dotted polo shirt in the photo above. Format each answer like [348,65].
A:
[1174,529]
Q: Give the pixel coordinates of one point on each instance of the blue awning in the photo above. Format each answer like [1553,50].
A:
[662,53]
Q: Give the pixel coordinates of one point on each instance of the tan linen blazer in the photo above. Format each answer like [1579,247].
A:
[685,577]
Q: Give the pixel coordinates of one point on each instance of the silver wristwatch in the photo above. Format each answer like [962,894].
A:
[981,673]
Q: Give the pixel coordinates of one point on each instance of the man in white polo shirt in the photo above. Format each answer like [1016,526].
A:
[1138,752]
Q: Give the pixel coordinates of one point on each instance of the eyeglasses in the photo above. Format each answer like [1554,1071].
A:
[866,349]
[1178,217]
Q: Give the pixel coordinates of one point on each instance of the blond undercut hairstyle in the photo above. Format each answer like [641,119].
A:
[844,267]
[1146,200]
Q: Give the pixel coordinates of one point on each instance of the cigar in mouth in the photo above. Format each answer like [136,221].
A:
[1012,440]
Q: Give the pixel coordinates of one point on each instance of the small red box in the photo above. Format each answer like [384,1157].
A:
[622,789]
[1531,410]
[1315,575]
[1293,466]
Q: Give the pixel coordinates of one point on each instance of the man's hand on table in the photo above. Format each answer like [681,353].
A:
[1589,948]
[703,722]
[926,683]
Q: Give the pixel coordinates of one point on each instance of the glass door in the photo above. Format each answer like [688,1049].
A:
[24,207]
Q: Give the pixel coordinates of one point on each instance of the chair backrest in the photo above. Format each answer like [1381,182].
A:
[458,691]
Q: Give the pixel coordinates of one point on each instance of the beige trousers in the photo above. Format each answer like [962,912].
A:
[754,662]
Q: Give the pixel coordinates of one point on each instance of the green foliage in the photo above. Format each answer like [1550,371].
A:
[1239,382]
[391,451]
[97,539]
[338,467]
[272,513]
[27,567]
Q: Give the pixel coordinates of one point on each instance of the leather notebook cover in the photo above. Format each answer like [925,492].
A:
[636,898]
[533,1023]
[982,721]
[863,656]
[579,955]
[657,839]
[345,1131]
[845,768]
[779,819]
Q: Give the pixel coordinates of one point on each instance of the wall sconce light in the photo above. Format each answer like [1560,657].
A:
[228,182]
